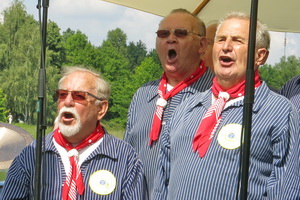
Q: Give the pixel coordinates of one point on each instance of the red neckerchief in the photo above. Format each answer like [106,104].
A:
[210,121]
[164,96]
[74,179]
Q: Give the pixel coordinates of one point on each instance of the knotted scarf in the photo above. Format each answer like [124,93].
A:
[211,119]
[74,180]
[164,96]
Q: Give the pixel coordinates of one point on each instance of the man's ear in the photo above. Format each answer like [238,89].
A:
[261,56]
[203,46]
[103,107]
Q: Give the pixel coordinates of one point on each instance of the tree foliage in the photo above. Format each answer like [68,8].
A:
[3,107]
[276,76]
[126,65]
[20,60]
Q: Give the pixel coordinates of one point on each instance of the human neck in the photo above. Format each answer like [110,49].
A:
[226,84]
[174,79]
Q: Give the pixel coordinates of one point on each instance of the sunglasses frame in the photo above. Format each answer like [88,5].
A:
[74,95]
[178,32]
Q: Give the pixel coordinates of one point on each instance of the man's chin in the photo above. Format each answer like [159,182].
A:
[69,130]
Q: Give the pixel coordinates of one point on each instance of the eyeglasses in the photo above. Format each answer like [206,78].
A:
[177,32]
[77,96]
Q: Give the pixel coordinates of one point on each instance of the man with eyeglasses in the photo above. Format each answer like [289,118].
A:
[202,157]
[80,159]
[180,43]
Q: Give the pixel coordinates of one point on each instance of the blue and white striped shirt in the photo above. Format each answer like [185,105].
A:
[140,116]
[112,155]
[291,90]
[274,160]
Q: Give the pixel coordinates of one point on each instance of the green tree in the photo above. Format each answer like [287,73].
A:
[136,54]
[79,51]
[118,40]
[19,75]
[270,75]
[55,44]
[277,75]
[113,63]
[3,107]
[287,68]
[14,19]
[66,34]
[149,70]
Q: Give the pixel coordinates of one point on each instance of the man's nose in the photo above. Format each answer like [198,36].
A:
[227,45]
[69,101]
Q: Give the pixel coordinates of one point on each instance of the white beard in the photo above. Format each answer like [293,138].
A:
[68,130]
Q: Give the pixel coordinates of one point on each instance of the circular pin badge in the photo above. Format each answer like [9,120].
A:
[229,137]
[102,182]
[161,102]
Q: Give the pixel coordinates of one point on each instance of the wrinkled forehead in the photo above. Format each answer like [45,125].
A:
[81,81]
[233,27]
[178,20]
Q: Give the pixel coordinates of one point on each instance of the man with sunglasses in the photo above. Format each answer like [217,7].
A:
[180,43]
[201,156]
[80,159]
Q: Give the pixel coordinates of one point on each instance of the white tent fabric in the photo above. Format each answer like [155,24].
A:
[279,15]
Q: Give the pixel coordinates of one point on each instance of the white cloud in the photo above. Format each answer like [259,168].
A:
[293,41]
[276,47]
[3,5]
[95,18]
[279,49]
[139,26]
[76,8]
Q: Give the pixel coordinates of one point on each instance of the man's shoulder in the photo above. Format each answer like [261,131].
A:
[147,90]
[270,99]
[117,143]
[150,84]
[291,88]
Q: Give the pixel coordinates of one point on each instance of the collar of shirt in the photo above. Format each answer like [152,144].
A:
[205,98]
[83,153]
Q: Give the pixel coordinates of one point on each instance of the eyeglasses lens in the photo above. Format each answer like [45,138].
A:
[77,96]
[180,32]
[177,32]
[163,33]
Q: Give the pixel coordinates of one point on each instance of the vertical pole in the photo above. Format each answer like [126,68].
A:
[41,104]
[248,102]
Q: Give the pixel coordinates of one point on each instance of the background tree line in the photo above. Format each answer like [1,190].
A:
[124,64]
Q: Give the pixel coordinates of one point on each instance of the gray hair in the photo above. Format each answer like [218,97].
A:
[102,86]
[199,24]
[262,34]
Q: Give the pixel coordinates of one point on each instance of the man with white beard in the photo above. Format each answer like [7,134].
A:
[80,159]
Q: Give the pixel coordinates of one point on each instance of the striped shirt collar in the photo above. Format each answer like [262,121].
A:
[106,147]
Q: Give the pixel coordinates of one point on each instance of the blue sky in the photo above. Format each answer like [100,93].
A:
[95,18]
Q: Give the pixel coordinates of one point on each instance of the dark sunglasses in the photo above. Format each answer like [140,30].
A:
[177,32]
[77,96]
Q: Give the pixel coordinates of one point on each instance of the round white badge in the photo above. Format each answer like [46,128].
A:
[102,182]
[161,102]
[229,137]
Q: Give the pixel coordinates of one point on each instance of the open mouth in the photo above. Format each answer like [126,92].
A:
[172,54]
[68,115]
[225,59]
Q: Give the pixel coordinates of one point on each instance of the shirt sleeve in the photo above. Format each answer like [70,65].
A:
[134,185]
[284,180]
[17,183]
